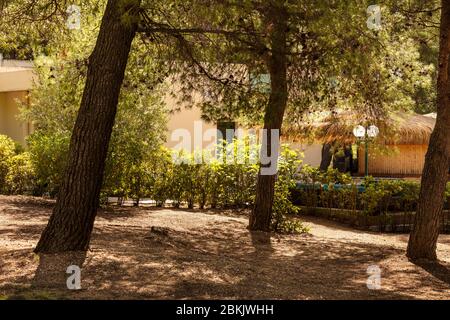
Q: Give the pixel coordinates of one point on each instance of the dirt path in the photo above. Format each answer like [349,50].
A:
[208,255]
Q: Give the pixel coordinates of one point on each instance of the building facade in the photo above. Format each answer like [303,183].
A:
[16,79]
[186,129]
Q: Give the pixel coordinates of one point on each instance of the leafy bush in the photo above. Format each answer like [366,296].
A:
[373,194]
[288,166]
[20,178]
[234,174]
[16,170]
[162,171]
[140,123]
[332,189]
[230,181]
[199,178]
[48,154]
[7,150]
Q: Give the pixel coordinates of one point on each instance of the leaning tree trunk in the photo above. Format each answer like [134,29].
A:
[261,215]
[70,226]
[423,239]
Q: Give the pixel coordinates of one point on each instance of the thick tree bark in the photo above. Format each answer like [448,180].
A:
[70,226]
[423,238]
[261,215]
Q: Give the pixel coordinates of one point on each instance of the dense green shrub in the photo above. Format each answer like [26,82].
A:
[7,150]
[182,178]
[373,194]
[332,189]
[234,174]
[227,182]
[20,178]
[288,166]
[182,181]
[140,123]
[48,153]
[162,170]
[389,195]
[16,170]
[198,179]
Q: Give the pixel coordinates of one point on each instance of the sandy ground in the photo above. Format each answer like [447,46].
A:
[209,255]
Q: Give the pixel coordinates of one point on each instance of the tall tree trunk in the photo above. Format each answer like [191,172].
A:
[70,226]
[261,215]
[423,238]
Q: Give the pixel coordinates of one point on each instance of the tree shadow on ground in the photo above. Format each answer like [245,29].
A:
[52,271]
[112,213]
[219,259]
[27,202]
[315,271]
[49,280]
[437,269]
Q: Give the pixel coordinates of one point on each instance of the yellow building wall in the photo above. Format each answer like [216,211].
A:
[15,79]
[403,160]
[190,122]
[186,129]
[312,153]
[9,110]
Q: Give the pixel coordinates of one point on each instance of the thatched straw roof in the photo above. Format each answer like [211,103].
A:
[396,128]
[411,129]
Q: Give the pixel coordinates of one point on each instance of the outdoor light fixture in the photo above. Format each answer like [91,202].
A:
[372,131]
[359,132]
[366,133]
